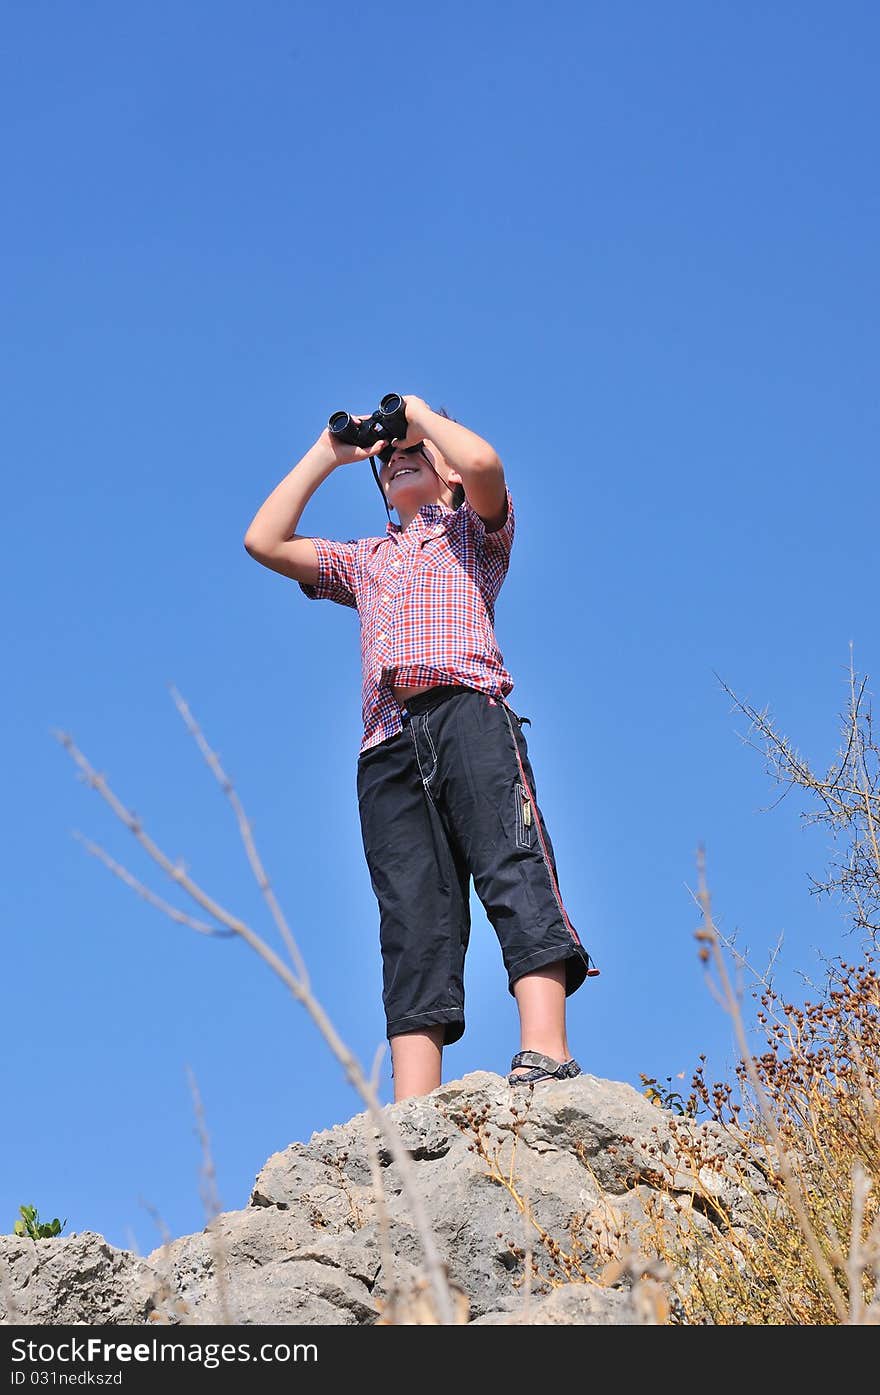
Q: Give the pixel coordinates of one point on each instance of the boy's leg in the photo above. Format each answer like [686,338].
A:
[422,887]
[540,998]
[485,788]
[417,1060]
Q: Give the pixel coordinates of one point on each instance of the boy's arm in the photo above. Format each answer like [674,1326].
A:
[481,471]
[272,538]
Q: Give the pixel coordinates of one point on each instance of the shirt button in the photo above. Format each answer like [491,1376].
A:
[383,636]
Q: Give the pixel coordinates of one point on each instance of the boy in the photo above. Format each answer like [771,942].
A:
[445,786]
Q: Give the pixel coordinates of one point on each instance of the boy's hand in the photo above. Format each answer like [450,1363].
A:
[345,454]
[418,414]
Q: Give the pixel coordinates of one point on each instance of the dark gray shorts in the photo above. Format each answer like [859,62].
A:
[452,797]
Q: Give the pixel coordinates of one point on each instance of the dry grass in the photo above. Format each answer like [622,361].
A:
[804,1248]
[805,1112]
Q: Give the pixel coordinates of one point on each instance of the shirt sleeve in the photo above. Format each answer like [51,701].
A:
[493,548]
[498,543]
[337,573]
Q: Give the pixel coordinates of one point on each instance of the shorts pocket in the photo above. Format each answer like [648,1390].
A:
[524,816]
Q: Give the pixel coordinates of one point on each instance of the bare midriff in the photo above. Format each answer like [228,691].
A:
[403,693]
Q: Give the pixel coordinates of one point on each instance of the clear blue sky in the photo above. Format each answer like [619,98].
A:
[635,247]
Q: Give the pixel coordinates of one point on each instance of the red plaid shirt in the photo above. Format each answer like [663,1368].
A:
[426,599]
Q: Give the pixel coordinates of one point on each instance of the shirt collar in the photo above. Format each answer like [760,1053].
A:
[429,513]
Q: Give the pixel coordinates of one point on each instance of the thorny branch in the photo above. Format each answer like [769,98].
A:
[849,794]
[297,983]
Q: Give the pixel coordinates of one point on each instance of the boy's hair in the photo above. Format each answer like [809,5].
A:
[457,489]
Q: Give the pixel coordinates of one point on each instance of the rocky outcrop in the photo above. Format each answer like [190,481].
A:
[327,1236]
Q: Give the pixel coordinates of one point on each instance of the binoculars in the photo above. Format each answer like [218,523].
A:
[387,423]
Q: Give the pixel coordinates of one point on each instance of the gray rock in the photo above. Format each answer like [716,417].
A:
[496,1168]
[268,1266]
[567,1306]
[76,1278]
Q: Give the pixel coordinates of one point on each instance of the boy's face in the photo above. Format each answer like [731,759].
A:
[409,481]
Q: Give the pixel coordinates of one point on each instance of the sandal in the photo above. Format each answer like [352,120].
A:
[544,1068]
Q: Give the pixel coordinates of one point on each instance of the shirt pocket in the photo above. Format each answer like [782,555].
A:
[436,555]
